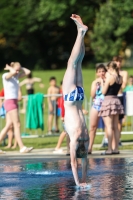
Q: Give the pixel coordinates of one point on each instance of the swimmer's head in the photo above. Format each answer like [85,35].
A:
[118,60]
[81,151]
[100,70]
[16,66]
[52,81]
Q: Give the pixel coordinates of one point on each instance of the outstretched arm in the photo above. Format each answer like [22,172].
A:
[85,164]
[38,80]
[105,85]
[84,169]
[23,82]
[24,72]
[125,80]
[35,79]
[74,164]
[93,89]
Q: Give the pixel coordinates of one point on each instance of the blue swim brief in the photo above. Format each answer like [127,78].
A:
[75,95]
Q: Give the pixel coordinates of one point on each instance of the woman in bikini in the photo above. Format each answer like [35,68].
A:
[73,93]
[97,97]
[29,83]
[111,106]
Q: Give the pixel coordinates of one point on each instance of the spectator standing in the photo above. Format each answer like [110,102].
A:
[97,97]
[124,75]
[111,106]
[64,133]
[29,83]
[53,90]
[11,88]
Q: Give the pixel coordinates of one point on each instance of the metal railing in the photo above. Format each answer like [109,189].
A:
[37,132]
[127,126]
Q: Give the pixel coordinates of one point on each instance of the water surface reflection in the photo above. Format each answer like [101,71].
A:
[109,178]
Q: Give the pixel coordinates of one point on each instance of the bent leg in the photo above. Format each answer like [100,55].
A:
[93,127]
[109,127]
[116,133]
[60,140]
[16,125]
[15,144]
[85,164]
[10,137]
[7,126]
[50,120]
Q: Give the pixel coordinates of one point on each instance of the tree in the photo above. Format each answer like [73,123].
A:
[39,32]
[112,27]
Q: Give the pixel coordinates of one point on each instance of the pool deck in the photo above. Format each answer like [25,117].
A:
[47,154]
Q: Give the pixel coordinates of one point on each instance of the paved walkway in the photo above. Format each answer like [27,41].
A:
[47,153]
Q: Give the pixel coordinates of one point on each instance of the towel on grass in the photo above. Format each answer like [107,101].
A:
[34,112]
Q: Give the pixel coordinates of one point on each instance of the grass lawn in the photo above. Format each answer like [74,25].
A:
[51,141]
[88,77]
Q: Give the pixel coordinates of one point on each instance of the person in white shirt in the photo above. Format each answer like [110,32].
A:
[11,88]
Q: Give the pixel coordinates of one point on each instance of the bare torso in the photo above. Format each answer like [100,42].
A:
[29,83]
[53,90]
[74,120]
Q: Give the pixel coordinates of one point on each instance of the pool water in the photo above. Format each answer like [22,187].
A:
[108,179]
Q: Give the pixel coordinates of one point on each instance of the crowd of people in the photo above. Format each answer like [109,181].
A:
[106,92]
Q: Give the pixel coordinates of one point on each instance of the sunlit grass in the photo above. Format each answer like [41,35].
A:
[51,141]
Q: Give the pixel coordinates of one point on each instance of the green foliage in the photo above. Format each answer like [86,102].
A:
[113,21]
[40,32]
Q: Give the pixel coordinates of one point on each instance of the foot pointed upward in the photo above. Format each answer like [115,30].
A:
[77,19]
